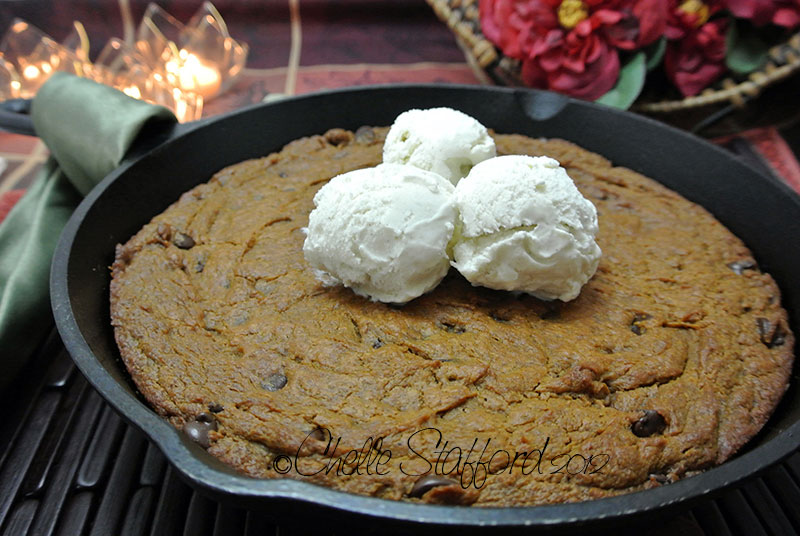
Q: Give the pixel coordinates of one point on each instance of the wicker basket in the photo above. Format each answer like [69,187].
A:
[462,17]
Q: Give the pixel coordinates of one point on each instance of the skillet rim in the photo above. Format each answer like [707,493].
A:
[189,459]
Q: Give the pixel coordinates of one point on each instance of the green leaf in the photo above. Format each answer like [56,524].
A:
[746,51]
[655,53]
[629,84]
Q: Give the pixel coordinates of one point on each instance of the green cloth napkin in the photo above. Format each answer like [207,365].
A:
[88,128]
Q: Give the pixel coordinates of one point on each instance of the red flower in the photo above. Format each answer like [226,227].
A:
[686,16]
[695,55]
[781,12]
[571,46]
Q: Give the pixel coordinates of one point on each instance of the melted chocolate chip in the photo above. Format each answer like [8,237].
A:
[338,136]
[183,241]
[199,428]
[198,432]
[426,483]
[274,382]
[778,338]
[499,316]
[740,266]
[651,423]
[452,327]
[636,327]
[206,418]
[215,408]
[200,263]
[377,344]
[771,335]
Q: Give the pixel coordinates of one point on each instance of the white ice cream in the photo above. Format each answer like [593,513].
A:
[442,140]
[525,227]
[382,231]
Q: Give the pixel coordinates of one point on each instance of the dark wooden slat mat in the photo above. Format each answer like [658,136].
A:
[71,466]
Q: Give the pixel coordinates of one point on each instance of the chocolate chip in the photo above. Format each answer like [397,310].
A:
[377,344]
[771,335]
[365,135]
[499,316]
[651,423]
[199,428]
[636,327]
[206,418]
[274,382]
[215,408]
[453,327]
[338,136]
[198,432]
[740,266]
[778,338]
[426,483]
[183,241]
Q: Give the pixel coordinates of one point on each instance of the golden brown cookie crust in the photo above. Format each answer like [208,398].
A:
[672,357]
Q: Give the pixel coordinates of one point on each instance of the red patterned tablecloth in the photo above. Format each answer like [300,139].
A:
[297,47]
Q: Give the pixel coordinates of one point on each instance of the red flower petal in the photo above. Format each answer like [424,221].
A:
[595,81]
[787,17]
[652,16]
[760,12]
[698,59]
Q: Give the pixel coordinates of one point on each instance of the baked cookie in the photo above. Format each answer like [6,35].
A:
[672,357]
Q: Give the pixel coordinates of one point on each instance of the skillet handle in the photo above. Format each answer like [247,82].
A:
[15,117]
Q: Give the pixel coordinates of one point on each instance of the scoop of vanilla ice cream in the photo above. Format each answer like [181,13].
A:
[382,231]
[525,227]
[442,140]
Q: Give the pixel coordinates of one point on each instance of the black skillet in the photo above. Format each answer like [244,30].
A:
[759,209]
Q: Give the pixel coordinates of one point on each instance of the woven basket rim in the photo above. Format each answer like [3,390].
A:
[462,17]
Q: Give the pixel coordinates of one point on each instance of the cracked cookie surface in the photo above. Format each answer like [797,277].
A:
[672,357]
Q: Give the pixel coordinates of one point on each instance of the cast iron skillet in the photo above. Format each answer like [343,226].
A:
[759,209]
